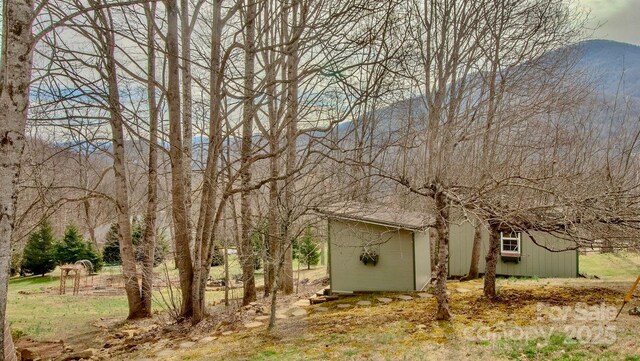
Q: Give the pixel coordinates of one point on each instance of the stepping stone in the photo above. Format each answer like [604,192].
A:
[165,353]
[463,290]
[364,303]
[404,297]
[187,344]
[299,312]
[301,303]
[262,318]
[425,295]
[227,333]
[253,324]
[385,300]
[344,305]
[207,339]
[322,309]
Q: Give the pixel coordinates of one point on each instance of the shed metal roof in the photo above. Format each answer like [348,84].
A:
[378,214]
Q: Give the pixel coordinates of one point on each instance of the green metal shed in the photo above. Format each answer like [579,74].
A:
[520,256]
[375,248]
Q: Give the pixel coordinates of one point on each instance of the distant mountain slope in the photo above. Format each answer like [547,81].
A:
[606,62]
[611,68]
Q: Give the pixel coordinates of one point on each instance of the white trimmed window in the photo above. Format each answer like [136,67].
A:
[510,243]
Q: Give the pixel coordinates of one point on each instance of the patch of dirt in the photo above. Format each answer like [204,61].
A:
[44,350]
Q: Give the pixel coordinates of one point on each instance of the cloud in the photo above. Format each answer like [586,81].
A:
[620,19]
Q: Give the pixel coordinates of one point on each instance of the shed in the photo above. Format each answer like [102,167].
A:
[519,255]
[377,248]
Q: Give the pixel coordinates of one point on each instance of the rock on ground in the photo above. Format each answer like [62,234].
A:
[299,312]
[79,355]
[187,344]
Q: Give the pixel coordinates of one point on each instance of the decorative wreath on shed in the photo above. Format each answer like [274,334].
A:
[369,257]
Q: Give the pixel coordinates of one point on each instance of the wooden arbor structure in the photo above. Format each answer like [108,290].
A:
[76,269]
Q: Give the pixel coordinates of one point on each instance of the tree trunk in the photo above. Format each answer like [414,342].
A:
[246,249]
[104,30]
[205,229]
[273,234]
[442,230]
[492,261]
[475,253]
[149,236]
[15,75]
[187,127]
[178,179]
[291,122]
[9,349]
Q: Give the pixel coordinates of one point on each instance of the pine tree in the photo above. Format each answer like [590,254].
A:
[258,245]
[111,250]
[73,248]
[308,251]
[137,232]
[39,252]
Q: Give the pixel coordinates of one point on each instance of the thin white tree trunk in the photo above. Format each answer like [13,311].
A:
[15,75]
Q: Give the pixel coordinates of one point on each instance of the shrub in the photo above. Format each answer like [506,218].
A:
[73,248]
[309,253]
[39,257]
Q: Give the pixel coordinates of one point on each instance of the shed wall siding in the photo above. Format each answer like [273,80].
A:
[394,270]
[535,260]
[423,259]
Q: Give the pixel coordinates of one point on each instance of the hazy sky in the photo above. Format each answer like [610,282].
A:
[620,19]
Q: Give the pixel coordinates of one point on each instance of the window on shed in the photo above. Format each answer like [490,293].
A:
[510,243]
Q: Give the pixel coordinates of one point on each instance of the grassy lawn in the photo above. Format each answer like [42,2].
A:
[49,317]
[611,265]
[40,313]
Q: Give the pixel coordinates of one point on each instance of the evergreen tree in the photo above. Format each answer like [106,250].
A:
[218,256]
[295,249]
[309,253]
[111,250]
[137,232]
[73,248]
[259,249]
[39,252]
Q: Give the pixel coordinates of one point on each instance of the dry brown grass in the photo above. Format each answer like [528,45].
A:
[406,329]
